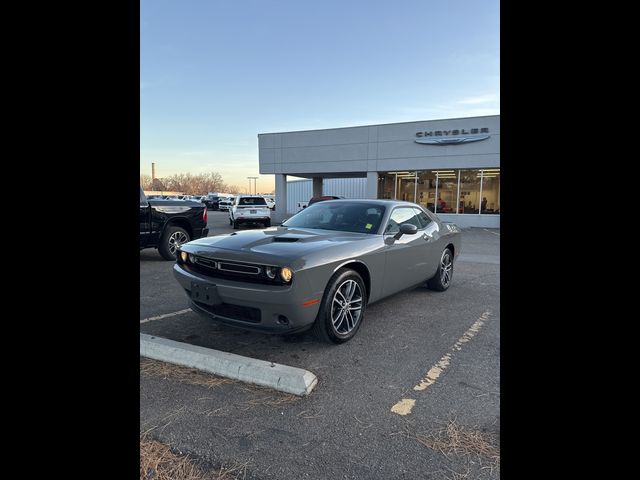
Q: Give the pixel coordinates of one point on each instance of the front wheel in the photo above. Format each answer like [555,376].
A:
[171,240]
[342,308]
[442,279]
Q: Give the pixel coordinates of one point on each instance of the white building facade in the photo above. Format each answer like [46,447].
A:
[450,166]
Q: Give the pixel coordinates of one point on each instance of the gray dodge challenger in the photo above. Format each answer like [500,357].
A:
[320,269]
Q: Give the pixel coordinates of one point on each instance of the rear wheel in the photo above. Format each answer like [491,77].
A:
[230,221]
[442,279]
[267,224]
[171,240]
[235,225]
[342,308]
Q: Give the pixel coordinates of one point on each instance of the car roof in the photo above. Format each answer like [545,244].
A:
[374,201]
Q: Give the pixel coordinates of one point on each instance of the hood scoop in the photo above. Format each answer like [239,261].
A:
[286,239]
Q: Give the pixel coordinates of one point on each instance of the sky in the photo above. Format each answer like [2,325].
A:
[215,73]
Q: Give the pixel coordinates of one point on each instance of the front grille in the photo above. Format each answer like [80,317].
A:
[216,268]
[205,262]
[234,312]
[236,267]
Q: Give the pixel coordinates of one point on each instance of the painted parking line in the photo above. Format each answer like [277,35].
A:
[404,406]
[173,314]
[491,231]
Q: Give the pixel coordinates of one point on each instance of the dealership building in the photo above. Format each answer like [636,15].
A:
[450,166]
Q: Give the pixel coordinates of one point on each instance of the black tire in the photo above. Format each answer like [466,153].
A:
[172,238]
[323,327]
[267,224]
[235,225]
[441,281]
[230,221]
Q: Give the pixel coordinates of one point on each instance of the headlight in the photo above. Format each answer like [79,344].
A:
[271,272]
[184,256]
[286,274]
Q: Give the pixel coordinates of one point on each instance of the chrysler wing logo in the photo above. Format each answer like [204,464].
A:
[451,140]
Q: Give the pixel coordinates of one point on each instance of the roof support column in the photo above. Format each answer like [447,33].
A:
[317,186]
[372,185]
[280,213]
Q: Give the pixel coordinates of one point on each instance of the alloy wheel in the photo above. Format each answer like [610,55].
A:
[346,307]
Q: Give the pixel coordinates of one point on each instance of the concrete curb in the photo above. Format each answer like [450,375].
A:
[273,375]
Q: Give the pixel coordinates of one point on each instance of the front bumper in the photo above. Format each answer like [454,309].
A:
[253,306]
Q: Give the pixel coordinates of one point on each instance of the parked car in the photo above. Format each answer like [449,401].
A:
[271,202]
[224,203]
[320,269]
[212,201]
[167,224]
[321,199]
[249,209]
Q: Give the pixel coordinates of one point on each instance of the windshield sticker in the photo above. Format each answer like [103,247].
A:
[368,226]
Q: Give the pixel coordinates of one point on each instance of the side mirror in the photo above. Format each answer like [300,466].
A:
[406,229]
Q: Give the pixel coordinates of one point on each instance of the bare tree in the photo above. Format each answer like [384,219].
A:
[158,185]
[145,181]
[190,184]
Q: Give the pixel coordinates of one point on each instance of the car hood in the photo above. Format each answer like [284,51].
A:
[277,242]
[173,202]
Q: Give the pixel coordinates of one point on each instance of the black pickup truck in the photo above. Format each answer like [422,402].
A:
[167,224]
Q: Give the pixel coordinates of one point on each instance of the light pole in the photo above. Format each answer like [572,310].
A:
[254,184]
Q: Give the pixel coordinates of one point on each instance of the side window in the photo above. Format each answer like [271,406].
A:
[402,215]
[423,217]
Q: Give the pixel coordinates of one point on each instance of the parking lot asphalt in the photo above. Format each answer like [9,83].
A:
[448,343]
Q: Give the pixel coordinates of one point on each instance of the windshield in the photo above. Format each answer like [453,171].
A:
[252,201]
[343,216]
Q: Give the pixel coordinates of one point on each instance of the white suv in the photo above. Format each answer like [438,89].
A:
[249,209]
[271,203]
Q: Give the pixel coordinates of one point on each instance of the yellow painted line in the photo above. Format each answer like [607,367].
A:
[443,363]
[151,319]
[404,406]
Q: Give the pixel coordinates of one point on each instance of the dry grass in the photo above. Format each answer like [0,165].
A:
[455,439]
[182,374]
[265,397]
[158,462]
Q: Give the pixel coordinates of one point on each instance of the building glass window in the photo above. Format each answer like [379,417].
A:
[474,191]
[426,190]
[490,203]
[386,188]
[447,191]
[406,186]
[470,191]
